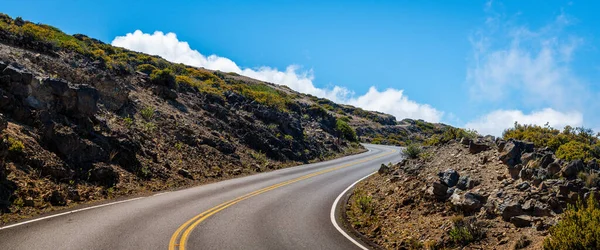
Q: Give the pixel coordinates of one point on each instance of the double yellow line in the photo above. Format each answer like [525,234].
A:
[189,225]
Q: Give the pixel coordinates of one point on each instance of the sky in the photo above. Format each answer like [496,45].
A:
[475,64]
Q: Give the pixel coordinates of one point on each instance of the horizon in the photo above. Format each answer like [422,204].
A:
[526,63]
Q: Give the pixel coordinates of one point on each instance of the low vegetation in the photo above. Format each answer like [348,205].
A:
[451,133]
[412,151]
[578,229]
[465,230]
[345,130]
[14,145]
[569,144]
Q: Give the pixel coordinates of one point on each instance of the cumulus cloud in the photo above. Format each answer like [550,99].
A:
[529,67]
[518,67]
[495,122]
[168,46]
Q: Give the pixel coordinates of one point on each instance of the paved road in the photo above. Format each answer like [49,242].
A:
[283,209]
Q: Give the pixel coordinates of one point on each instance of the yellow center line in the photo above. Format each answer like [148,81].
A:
[204,215]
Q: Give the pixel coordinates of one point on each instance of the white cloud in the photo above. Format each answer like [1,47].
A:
[389,102]
[168,46]
[497,121]
[528,67]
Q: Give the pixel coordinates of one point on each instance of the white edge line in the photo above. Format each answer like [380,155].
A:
[69,212]
[332,214]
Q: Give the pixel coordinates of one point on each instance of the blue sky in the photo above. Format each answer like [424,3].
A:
[476,64]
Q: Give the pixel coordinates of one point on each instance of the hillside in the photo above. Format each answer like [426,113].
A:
[82,120]
[537,187]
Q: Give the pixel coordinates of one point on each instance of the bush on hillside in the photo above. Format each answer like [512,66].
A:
[345,130]
[579,228]
[146,68]
[569,144]
[163,77]
[449,134]
[574,150]
[412,151]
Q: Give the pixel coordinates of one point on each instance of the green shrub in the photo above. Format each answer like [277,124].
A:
[365,203]
[147,113]
[163,77]
[345,130]
[449,134]
[128,122]
[260,157]
[145,68]
[15,146]
[412,151]
[288,137]
[574,150]
[579,228]
[466,230]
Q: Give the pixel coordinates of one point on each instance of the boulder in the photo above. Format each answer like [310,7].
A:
[526,174]
[73,147]
[59,87]
[57,171]
[465,141]
[553,168]
[87,99]
[523,186]
[437,190]
[383,169]
[57,198]
[475,148]
[511,153]
[515,171]
[14,73]
[185,173]
[33,103]
[464,183]
[113,95]
[521,220]
[570,171]
[467,203]
[509,210]
[104,175]
[500,144]
[546,160]
[526,157]
[449,177]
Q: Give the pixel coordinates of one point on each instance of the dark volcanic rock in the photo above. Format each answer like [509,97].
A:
[185,173]
[467,203]
[510,210]
[512,152]
[570,171]
[449,177]
[87,99]
[464,183]
[383,169]
[438,190]
[475,148]
[57,198]
[104,175]
[521,220]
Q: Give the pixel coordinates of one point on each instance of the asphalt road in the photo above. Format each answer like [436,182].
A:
[284,209]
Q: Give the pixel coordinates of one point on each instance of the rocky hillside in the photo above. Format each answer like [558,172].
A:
[483,193]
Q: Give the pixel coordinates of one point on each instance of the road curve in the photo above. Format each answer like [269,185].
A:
[284,209]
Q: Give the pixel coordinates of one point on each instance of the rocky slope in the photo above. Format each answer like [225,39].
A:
[482,194]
